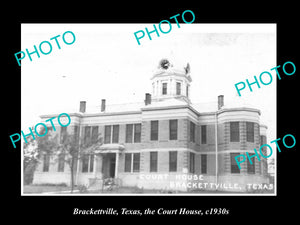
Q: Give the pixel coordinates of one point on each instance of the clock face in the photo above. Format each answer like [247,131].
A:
[164,63]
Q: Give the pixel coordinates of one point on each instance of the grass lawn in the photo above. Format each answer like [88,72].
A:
[37,189]
[59,189]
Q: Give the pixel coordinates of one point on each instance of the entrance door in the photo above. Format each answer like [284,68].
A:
[112,166]
[108,165]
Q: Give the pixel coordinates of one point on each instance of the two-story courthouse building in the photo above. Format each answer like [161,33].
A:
[152,143]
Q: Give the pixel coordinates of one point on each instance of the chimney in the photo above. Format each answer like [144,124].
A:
[220,101]
[82,106]
[102,105]
[147,99]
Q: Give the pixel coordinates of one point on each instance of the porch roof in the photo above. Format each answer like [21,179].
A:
[110,148]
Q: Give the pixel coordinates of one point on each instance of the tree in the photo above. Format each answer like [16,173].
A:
[32,152]
[68,148]
[30,160]
[71,150]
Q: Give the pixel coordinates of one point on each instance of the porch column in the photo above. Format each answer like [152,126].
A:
[95,165]
[117,165]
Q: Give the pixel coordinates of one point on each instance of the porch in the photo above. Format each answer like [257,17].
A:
[106,164]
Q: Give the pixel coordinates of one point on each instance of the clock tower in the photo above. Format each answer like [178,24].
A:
[171,82]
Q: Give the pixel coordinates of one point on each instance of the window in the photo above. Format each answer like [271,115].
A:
[127,162]
[115,138]
[203,163]
[136,162]
[111,134]
[87,135]
[87,163]
[90,134]
[132,162]
[94,134]
[234,167]
[173,161]
[61,162]
[234,131]
[91,163]
[137,133]
[251,168]
[154,130]
[153,161]
[203,134]
[46,163]
[129,132]
[192,132]
[192,162]
[133,133]
[250,131]
[263,140]
[76,133]
[187,91]
[63,135]
[173,129]
[107,134]
[178,88]
[164,88]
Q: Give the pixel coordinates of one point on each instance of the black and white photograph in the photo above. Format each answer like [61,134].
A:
[160,118]
[150,112]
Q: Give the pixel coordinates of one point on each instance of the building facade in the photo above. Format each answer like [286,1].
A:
[165,142]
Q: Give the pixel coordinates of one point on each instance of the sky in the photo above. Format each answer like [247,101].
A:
[106,62]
